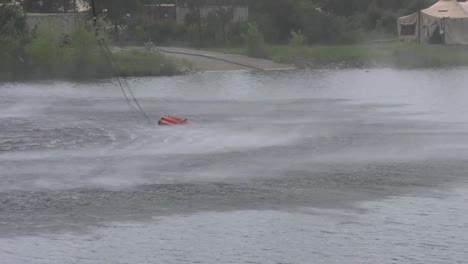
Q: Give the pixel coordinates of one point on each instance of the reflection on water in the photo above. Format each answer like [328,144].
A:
[73,158]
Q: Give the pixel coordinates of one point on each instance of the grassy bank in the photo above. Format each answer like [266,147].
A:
[395,55]
[320,56]
[47,56]
[148,63]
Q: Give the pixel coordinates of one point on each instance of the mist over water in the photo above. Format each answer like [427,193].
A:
[287,157]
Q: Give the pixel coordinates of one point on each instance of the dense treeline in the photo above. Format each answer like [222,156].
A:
[13,37]
[284,22]
[330,21]
[319,21]
[47,54]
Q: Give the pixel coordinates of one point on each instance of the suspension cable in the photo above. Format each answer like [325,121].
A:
[123,83]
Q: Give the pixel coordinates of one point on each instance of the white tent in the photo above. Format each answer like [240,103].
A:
[445,22]
[464,5]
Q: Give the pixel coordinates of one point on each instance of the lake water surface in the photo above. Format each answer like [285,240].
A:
[313,166]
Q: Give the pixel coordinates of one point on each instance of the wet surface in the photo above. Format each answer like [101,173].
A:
[217,61]
[274,164]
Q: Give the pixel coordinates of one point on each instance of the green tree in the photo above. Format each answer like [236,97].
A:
[195,17]
[12,21]
[255,42]
[297,39]
[116,11]
[225,16]
[276,18]
[13,35]
[216,25]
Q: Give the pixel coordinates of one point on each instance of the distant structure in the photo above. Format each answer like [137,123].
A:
[60,23]
[179,9]
[160,9]
[446,22]
[63,23]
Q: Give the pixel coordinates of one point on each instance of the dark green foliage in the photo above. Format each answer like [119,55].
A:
[297,39]
[46,56]
[12,21]
[320,27]
[234,33]
[163,31]
[330,21]
[293,22]
[216,24]
[377,14]
[82,59]
[118,12]
[320,21]
[217,29]
[86,59]
[12,38]
[276,19]
[11,57]
[255,43]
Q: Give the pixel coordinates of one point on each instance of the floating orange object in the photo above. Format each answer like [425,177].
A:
[173,121]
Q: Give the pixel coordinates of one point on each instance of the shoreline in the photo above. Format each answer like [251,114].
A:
[134,61]
[376,55]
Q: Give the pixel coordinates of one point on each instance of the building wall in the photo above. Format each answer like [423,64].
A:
[60,23]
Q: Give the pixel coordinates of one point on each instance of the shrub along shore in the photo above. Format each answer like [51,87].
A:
[44,57]
[305,33]
[378,54]
[393,55]
[47,56]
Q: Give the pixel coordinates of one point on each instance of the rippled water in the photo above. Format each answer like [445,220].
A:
[341,166]
[427,229]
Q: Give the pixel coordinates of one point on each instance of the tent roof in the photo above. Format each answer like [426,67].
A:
[464,5]
[447,8]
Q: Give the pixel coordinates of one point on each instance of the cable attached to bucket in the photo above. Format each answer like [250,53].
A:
[123,83]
